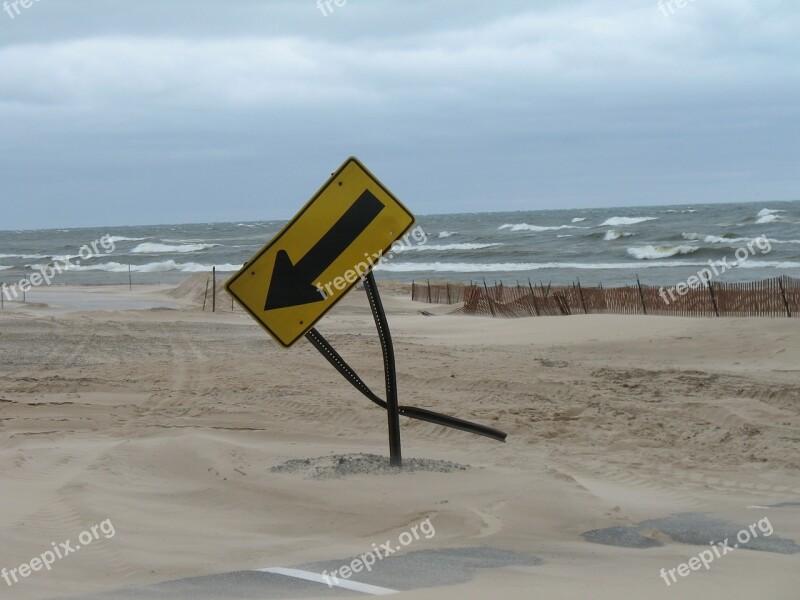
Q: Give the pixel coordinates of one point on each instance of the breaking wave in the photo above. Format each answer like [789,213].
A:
[155,267]
[656,252]
[149,248]
[445,247]
[613,234]
[527,227]
[617,221]
[122,238]
[395,267]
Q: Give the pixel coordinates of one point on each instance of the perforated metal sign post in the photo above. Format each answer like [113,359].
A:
[336,239]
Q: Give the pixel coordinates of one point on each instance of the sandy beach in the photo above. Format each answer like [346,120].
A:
[167,420]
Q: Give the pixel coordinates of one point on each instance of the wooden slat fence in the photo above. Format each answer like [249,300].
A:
[777,297]
[438,292]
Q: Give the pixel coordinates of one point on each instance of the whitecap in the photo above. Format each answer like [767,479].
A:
[440,267]
[39,256]
[616,221]
[712,239]
[150,248]
[122,238]
[155,267]
[758,264]
[527,227]
[443,248]
[613,234]
[767,211]
[656,252]
[768,218]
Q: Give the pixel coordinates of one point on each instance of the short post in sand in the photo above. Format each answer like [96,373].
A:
[785,299]
[641,294]
[580,293]
[711,293]
[213,289]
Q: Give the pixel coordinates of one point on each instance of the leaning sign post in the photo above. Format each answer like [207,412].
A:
[315,260]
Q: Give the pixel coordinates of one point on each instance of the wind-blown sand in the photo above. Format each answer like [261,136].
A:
[167,422]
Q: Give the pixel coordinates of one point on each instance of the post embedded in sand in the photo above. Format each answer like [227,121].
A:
[785,300]
[713,295]
[580,293]
[488,298]
[533,297]
[641,295]
[392,405]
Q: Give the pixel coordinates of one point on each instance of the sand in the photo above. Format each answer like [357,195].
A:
[169,421]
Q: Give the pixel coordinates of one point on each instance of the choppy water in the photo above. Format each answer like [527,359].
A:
[663,245]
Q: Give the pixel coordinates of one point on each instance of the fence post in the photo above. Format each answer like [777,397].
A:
[214,289]
[641,294]
[448,294]
[533,297]
[785,299]
[545,293]
[488,299]
[580,293]
[713,296]
[430,298]
[205,297]
[413,290]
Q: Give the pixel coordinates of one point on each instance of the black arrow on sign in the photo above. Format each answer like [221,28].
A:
[293,284]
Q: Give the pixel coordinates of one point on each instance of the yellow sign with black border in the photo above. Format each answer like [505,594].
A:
[336,238]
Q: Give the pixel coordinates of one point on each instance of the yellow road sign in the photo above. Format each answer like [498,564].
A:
[337,237]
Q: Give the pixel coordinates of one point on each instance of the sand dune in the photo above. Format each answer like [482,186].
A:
[167,422]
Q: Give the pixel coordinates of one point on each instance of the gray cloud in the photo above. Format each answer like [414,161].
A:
[154,112]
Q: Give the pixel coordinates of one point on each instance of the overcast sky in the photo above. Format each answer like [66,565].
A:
[118,112]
